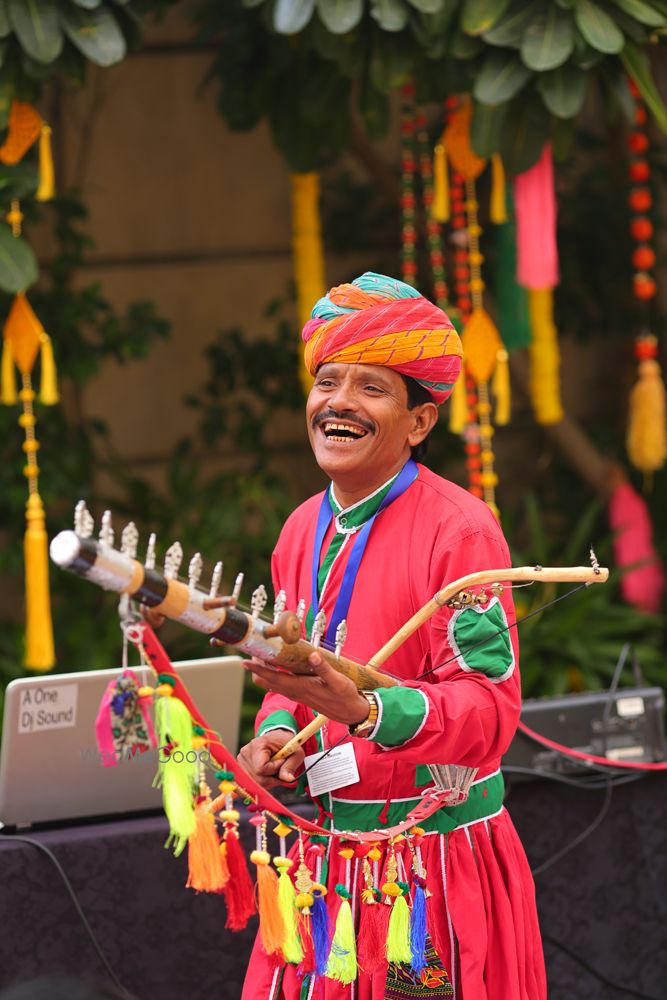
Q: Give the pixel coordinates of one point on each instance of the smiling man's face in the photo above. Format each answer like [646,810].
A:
[360,428]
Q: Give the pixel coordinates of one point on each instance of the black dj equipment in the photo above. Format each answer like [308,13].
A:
[624,725]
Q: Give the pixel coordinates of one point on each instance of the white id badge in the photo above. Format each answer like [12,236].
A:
[337,769]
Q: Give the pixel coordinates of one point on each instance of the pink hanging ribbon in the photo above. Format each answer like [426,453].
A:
[535,207]
[630,521]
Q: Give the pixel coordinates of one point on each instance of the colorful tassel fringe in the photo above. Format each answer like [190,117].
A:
[320,929]
[178,781]
[39,650]
[207,867]
[342,964]
[535,206]
[647,423]
[544,358]
[271,924]
[418,929]
[398,932]
[291,948]
[239,891]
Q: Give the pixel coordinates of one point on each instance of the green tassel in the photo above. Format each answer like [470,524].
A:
[398,933]
[177,778]
[342,964]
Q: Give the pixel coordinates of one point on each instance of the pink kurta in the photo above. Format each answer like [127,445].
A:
[482,918]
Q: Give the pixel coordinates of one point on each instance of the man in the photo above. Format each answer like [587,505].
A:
[373,549]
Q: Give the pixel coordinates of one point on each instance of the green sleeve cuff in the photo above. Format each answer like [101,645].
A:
[402,714]
[280,719]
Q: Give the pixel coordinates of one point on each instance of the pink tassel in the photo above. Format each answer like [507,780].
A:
[535,207]
[630,521]
[105,743]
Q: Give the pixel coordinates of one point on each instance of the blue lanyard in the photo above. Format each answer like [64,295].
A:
[405,478]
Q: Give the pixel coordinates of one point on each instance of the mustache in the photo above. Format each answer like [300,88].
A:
[342,415]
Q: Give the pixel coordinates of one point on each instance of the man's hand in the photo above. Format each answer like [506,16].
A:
[255,758]
[326,691]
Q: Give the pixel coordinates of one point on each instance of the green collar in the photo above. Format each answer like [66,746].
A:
[354,517]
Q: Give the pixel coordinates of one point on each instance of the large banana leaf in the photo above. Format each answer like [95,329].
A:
[477,16]
[37,27]
[597,27]
[18,267]
[549,39]
[501,77]
[96,35]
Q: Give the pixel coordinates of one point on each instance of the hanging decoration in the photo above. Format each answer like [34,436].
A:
[308,251]
[647,420]
[486,359]
[537,271]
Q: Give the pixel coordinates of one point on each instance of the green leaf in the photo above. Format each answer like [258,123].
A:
[96,35]
[486,128]
[6,98]
[477,16]
[642,12]
[88,4]
[563,90]
[549,40]
[638,67]
[391,62]
[17,181]
[5,26]
[501,77]
[524,135]
[598,27]
[391,15]
[340,16]
[36,25]
[431,6]
[464,46]
[510,29]
[290,16]
[18,267]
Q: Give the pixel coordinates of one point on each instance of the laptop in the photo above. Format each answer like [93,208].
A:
[50,768]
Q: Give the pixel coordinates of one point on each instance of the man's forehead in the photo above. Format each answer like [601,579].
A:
[357,371]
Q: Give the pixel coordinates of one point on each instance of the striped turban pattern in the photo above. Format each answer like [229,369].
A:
[377,320]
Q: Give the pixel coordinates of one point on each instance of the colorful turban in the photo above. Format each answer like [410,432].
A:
[381,321]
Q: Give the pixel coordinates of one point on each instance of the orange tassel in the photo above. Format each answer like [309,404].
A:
[271,923]
[207,869]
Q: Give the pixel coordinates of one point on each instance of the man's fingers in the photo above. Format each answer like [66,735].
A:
[291,765]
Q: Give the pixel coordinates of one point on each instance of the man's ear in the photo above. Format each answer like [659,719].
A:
[424,419]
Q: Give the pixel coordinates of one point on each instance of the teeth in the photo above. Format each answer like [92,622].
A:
[330,427]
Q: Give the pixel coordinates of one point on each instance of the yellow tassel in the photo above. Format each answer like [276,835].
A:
[46,189]
[39,652]
[49,384]
[458,412]
[498,206]
[292,950]
[647,427]
[440,209]
[8,377]
[544,358]
[500,386]
[307,251]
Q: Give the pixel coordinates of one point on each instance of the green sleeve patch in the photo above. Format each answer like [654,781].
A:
[402,714]
[480,641]
[281,719]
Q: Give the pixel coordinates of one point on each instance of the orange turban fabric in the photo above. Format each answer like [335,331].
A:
[377,320]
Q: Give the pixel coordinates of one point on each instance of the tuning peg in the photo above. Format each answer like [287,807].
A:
[129,540]
[319,628]
[149,561]
[341,636]
[216,580]
[301,609]
[173,560]
[106,531]
[83,520]
[194,570]
[279,606]
[258,602]
[236,592]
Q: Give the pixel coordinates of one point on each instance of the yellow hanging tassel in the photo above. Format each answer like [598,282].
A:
[308,251]
[398,932]
[481,343]
[8,377]
[48,394]
[46,189]
[292,950]
[342,963]
[458,408]
[500,386]
[498,205]
[544,358]
[39,651]
[440,208]
[647,428]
